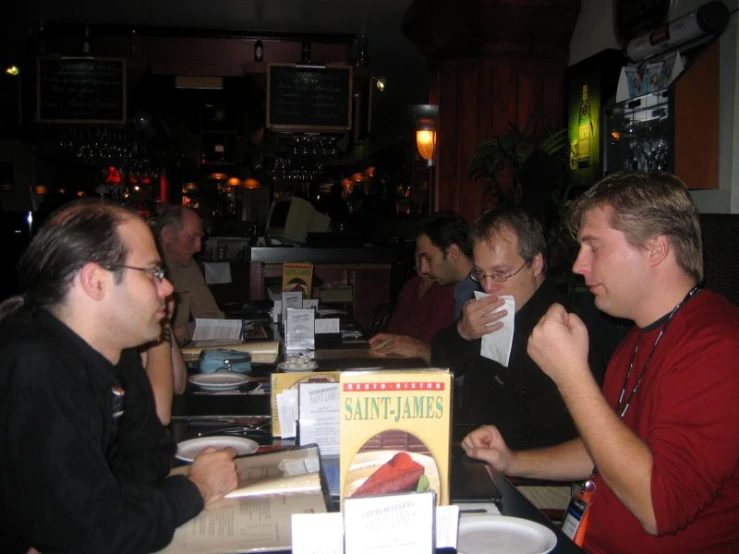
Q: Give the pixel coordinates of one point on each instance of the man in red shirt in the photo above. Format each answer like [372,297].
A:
[664,433]
[443,256]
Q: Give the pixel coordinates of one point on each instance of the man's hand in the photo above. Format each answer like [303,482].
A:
[477,316]
[214,473]
[181,334]
[559,345]
[487,444]
[384,345]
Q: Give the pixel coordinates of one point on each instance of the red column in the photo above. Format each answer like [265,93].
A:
[493,62]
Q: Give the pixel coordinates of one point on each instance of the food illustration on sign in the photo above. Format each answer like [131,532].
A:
[375,470]
[399,474]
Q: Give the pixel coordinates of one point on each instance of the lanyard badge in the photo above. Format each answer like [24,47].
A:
[577,516]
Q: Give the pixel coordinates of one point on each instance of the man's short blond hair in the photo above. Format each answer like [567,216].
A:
[645,206]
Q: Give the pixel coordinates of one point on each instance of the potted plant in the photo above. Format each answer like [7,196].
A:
[529,169]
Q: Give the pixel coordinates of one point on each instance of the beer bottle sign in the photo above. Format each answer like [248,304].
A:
[584,131]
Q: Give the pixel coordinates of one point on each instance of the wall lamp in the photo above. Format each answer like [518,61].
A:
[425,116]
[380,83]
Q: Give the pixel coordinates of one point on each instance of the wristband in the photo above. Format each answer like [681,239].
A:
[166,335]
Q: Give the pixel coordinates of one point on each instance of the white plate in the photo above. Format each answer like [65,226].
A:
[219,380]
[493,534]
[294,368]
[187,450]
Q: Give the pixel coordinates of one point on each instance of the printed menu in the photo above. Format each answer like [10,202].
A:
[395,432]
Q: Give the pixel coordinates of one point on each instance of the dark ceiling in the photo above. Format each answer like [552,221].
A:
[390,54]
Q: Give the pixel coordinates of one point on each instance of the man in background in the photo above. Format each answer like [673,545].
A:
[180,231]
[443,256]
[85,459]
[661,442]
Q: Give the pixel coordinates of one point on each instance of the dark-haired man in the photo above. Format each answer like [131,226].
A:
[85,459]
[180,232]
[443,255]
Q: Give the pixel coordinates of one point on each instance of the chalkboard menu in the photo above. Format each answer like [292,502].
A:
[309,98]
[81,90]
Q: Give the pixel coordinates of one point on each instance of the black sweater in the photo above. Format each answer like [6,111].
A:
[76,474]
[519,399]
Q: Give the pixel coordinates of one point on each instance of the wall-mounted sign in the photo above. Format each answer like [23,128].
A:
[81,90]
[309,98]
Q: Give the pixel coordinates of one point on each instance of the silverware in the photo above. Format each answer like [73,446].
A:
[234,431]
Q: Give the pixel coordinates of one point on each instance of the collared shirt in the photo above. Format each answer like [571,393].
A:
[83,467]
[192,295]
[463,291]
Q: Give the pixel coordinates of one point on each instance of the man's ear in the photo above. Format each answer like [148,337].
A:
[657,249]
[538,264]
[453,252]
[94,280]
[165,235]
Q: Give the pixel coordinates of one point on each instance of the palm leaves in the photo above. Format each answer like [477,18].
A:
[502,159]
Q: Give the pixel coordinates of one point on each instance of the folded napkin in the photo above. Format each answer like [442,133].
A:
[497,345]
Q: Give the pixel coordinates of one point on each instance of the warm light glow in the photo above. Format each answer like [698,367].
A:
[136,188]
[425,141]
[234,182]
[12,70]
[41,189]
[357,176]
[252,183]
[218,176]
[80,193]
[380,84]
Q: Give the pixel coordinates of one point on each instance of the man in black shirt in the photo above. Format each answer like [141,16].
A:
[509,259]
[84,458]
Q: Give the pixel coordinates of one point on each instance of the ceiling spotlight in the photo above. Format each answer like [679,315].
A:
[380,83]
[12,70]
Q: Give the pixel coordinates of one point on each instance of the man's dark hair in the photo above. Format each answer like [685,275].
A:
[445,229]
[78,233]
[171,217]
[525,226]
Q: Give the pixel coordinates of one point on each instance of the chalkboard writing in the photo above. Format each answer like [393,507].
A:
[86,90]
[308,98]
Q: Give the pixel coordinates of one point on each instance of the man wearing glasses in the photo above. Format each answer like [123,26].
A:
[85,459]
[509,259]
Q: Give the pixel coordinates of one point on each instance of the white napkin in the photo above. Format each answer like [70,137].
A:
[497,345]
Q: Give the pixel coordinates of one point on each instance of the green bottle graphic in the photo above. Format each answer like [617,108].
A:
[584,131]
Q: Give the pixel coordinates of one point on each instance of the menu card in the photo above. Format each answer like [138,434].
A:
[300,329]
[395,432]
[392,523]
[319,416]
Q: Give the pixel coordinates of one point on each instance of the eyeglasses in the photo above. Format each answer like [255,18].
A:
[157,272]
[479,276]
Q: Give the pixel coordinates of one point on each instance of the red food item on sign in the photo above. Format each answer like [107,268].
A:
[399,474]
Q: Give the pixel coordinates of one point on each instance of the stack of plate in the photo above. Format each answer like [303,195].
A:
[493,534]
[187,450]
[219,381]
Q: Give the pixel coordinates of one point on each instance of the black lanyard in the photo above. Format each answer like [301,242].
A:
[622,407]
